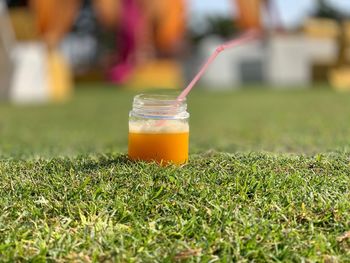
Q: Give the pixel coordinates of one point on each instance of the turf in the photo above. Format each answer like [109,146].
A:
[268,180]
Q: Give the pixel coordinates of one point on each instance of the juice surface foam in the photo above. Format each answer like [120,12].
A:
[156,126]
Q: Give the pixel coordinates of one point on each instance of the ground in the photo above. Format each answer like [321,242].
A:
[268,180]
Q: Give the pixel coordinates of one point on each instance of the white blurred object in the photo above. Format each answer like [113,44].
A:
[291,58]
[23,66]
[30,86]
[289,61]
[234,66]
[322,50]
[222,73]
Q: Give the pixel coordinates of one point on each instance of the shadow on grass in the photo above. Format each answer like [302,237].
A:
[96,162]
[104,161]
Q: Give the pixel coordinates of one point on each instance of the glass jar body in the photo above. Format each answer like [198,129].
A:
[158,130]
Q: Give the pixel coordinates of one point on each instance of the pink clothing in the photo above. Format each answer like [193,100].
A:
[131,23]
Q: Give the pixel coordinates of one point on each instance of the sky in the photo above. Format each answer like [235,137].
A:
[292,12]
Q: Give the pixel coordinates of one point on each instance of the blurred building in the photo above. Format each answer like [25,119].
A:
[282,60]
[319,51]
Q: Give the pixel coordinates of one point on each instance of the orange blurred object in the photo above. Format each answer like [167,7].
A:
[54,18]
[171,24]
[59,77]
[249,12]
[163,148]
[161,73]
[108,12]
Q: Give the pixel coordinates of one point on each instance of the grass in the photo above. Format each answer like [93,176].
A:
[268,180]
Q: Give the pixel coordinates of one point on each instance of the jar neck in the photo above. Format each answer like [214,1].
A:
[159,107]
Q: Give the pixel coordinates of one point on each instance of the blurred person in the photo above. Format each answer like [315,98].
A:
[54,18]
[146,30]
[132,24]
[41,73]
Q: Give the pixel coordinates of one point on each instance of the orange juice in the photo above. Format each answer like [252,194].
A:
[164,143]
[159,147]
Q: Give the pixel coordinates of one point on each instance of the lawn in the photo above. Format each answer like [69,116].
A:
[268,180]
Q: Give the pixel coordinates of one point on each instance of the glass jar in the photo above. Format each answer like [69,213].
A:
[158,129]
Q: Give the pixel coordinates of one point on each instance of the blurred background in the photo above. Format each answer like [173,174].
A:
[109,50]
[46,44]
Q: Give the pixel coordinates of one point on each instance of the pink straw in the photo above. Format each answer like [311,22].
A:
[244,38]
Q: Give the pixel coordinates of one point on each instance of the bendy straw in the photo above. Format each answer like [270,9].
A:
[242,39]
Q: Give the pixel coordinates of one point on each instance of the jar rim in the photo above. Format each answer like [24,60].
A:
[165,106]
[170,98]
